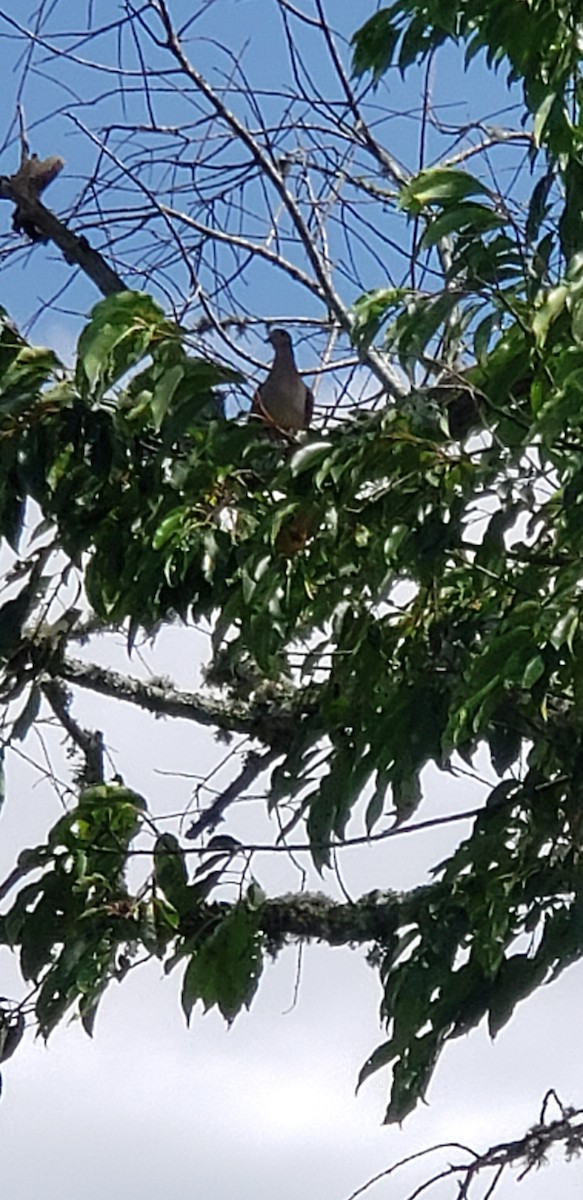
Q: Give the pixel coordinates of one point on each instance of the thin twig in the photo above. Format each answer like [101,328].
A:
[212,816]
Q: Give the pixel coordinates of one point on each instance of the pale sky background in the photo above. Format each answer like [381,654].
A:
[150,1109]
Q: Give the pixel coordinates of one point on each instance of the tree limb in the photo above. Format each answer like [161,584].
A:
[529,1151]
[312,915]
[274,728]
[213,815]
[89,741]
[32,214]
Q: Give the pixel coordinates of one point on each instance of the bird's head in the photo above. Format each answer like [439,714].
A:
[279,338]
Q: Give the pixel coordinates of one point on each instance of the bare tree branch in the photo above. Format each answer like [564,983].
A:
[271,172]
[253,766]
[32,215]
[90,742]
[527,1153]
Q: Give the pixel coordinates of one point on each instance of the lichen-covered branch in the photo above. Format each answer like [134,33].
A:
[315,916]
[274,727]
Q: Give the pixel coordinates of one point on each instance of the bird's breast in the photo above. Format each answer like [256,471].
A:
[285,401]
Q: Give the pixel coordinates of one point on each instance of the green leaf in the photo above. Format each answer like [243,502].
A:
[571,219]
[383,1056]
[12,511]
[224,970]
[517,978]
[42,927]
[308,457]
[533,671]
[173,523]
[371,309]
[53,1000]
[552,306]
[374,44]
[564,631]
[411,1076]
[13,615]
[170,870]
[537,208]
[376,804]
[439,185]
[407,795]
[483,335]
[542,115]
[501,793]
[464,218]
[164,392]
[28,715]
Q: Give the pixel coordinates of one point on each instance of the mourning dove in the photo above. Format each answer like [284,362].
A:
[283,400]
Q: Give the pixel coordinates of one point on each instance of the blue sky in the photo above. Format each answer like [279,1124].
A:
[230,38]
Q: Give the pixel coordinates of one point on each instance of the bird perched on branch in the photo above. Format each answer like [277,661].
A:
[283,400]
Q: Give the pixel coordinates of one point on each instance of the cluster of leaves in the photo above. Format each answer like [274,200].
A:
[537,39]
[516,882]
[223,944]
[405,595]
[72,919]
[504,913]
[187,512]
[77,926]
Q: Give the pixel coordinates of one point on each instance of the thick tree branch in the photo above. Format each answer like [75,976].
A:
[312,915]
[31,214]
[274,728]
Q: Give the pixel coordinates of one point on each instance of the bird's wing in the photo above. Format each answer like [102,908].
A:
[258,409]
[309,407]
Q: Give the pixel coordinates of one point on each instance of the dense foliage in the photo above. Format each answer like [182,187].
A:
[399,591]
